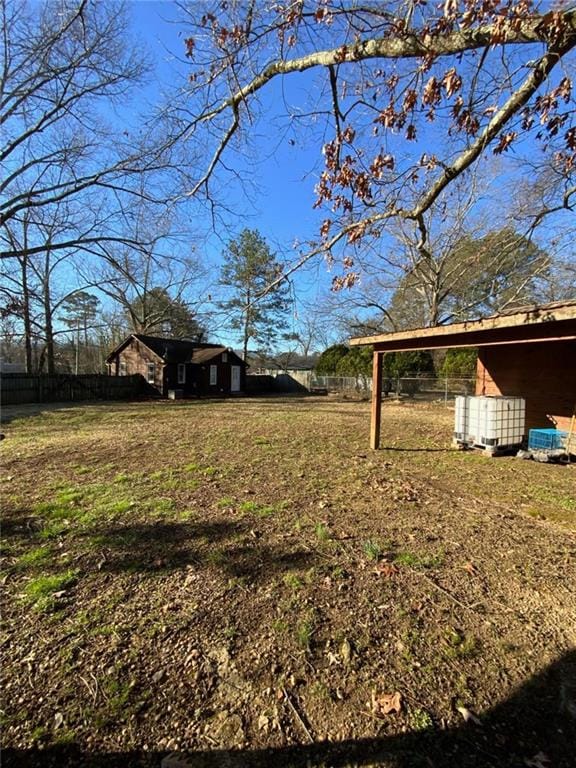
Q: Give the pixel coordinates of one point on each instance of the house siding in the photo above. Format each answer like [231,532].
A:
[543,373]
[223,375]
[190,387]
[137,357]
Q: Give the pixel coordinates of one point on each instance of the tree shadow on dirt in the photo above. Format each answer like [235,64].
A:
[221,545]
[226,546]
[535,728]
[21,524]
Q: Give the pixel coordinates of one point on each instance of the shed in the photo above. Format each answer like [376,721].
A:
[193,368]
[529,352]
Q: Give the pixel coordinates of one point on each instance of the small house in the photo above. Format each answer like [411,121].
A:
[186,367]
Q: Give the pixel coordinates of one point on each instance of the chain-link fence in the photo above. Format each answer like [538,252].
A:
[414,387]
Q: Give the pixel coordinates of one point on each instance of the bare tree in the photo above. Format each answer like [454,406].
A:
[488,76]
[153,277]
[63,62]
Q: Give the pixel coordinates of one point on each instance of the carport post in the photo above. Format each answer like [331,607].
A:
[376,413]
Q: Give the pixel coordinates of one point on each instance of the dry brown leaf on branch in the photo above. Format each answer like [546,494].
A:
[386,703]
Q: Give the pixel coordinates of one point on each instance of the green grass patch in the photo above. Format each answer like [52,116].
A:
[419,720]
[460,645]
[53,530]
[292,581]
[35,557]
[261,510]
[372,549]
[82,469]
[40,592]
[414,560]
[304,632]
[118,507]
[322,532]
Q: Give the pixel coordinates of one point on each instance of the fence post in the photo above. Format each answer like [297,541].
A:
[446,390]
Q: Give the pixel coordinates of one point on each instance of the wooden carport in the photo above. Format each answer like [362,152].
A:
[530,352]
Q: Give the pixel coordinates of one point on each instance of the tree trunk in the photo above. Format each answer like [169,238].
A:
[246,327]
[48,328]
[26,313]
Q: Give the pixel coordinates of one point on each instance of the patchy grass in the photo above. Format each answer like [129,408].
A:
[42,592]
[261,584]
[35,557]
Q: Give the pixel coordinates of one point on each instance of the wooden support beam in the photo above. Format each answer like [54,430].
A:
[376,413]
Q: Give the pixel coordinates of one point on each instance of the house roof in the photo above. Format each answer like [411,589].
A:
[175,350]
[203,355]
[546,322]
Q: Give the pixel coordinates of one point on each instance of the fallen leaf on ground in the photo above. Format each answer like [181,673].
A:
[346,652]
[386,569]
[538,761]
[469,716]
[387,703]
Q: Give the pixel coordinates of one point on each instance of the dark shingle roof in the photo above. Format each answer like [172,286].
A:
[176,350]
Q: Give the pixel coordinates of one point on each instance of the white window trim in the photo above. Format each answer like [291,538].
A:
[213,375]
[122,369]
[224,357]
[151,380]
[181,373]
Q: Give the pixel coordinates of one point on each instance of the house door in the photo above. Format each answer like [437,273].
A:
[235,378]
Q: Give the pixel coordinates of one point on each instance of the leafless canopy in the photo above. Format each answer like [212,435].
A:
[412,95]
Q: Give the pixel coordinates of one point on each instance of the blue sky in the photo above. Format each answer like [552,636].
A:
[282,196]
[282,173]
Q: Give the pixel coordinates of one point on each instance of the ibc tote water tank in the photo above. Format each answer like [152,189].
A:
[491,422]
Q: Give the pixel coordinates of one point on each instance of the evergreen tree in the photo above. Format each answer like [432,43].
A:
[256,305]
[329,360]
[157,313]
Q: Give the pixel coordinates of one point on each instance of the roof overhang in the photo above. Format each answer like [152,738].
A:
[550,322]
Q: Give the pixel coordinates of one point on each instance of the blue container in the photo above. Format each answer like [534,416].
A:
[546,439]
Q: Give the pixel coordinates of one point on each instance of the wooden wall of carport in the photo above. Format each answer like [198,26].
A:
[544,373]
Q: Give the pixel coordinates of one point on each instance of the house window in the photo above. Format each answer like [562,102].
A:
[151,373]
[181,373]
[224,357]
[122,371]
[213,375]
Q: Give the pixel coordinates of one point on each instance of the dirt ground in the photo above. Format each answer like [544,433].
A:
[243,582]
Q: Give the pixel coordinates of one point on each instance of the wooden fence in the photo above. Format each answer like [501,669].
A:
[18,388]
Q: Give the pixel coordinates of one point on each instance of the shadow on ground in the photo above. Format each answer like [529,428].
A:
[534,728]
[225,546]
